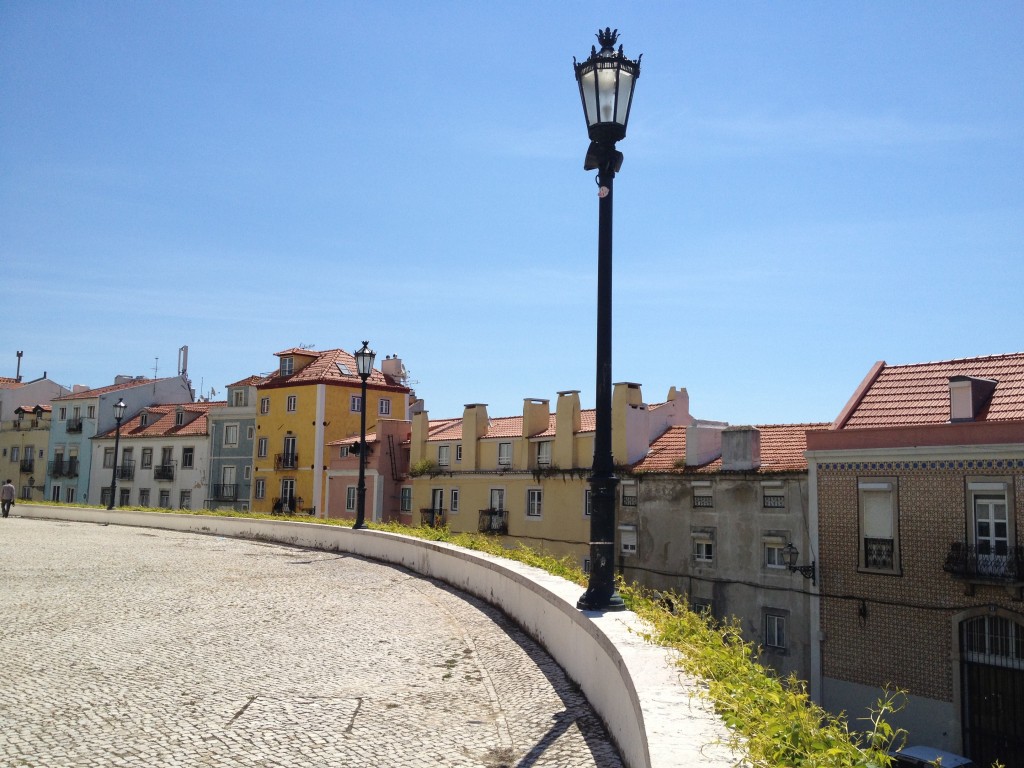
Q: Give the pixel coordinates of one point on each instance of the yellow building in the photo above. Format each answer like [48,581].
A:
[314,398]
[526,477]
[23,441]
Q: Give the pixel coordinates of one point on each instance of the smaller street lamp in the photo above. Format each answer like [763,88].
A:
[119,408]
[364,365]
[790,554]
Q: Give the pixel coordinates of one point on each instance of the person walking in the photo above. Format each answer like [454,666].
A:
[7,497]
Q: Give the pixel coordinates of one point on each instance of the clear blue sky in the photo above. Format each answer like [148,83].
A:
[808,188]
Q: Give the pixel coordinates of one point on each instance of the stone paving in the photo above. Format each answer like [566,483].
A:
[137,647]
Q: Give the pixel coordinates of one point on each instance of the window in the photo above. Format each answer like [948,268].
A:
[406,499]
[702,606]
[292,402]
[260,491]
[627,539]
[703,545]
[90,411]
[534,502]
[702,496]
[143,497]
[63,414]
[188,458]
[773,557]
[350,498]
[287,366]
[247,472]
[238,397]
[264,405]
[384,406]
[125,497]
[458,453]
[454,507]
[878,545]
[69,494]
[179,418]
[108,457]
[775,631]
[343,452]
[185,500]
[544,453]
[166,455]
[250,432]
[504,454]
[443,452]
[498,498]
[147,458]
[993,640]
[773,495]
[587,506]
[355,404]
[231,434]
[261,448]
[105,496]
[991,524]
[143,419]
[16,452]
[165,499]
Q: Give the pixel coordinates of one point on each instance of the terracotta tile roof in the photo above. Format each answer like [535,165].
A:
[902,395]
[326,367]
[442,430]
[110,388]
[782,450]
[9,383]
[249,381]
[41,407]
[161,419]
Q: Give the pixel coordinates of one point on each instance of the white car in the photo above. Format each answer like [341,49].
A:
[918,757]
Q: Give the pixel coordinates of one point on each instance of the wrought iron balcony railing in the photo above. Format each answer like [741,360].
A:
[27,464]
[973,563]
[73,425]
[432,518]
[126,470]
[163,472]
[878,553]
[286,461]
[493,521]
[225,491]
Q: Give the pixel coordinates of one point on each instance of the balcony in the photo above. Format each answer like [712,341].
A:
[966,563]
[493,521]
[432,518]
[71,468]
[163,472]
[126,470]
[27,465]
[286,461]
[73,425]
[225,491]
[62,468]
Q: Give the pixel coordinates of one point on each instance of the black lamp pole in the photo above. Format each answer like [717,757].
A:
[364,365]
[606,81]
[119,408]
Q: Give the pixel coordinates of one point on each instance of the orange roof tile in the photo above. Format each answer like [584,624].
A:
[327,368]
[782,450]
[9,383]
[249,381]
[903,395]
[161,420]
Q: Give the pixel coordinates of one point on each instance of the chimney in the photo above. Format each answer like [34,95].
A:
[703,443]
[741,449]
[968,396]
[536,416]
[393,368]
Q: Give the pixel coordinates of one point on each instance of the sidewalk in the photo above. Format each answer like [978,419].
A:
[139,647]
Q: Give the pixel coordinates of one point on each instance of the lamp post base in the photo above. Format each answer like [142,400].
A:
[601,594]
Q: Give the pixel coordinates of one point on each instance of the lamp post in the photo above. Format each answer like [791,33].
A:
[119,408]
[606,81]
[790,554]
[364,365]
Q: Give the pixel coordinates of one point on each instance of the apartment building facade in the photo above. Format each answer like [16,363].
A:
[917,496]
[232,444]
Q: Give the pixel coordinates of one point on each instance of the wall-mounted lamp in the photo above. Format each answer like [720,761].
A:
[790,555]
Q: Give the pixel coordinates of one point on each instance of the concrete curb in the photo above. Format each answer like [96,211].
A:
[653,712]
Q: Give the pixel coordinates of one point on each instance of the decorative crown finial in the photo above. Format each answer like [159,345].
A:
[607,38]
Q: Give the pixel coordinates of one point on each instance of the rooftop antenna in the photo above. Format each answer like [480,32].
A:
[156,366]
[17,375]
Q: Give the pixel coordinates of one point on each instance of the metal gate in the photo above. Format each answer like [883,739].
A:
[992,690]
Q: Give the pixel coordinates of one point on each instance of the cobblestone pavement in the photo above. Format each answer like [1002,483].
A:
[134,647]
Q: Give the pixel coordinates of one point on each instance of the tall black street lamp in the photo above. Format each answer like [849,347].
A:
[364,365]
[606,80]
[119,408]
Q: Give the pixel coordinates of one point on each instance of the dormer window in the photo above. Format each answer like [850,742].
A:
[179,418]
[238,397]
[143,419]
[287,366]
